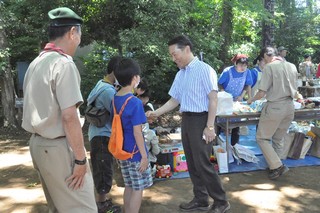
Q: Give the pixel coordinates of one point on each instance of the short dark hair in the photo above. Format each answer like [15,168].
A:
[113,64]
[242,61]
[127,69]
[146,94]
[270,51]
[181,41]
[58,32]
[143,85]
[306,56]
[255,61]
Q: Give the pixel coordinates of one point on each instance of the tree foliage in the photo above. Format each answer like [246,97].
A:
[142,28]
[299,30]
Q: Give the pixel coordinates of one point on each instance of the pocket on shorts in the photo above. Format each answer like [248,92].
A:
[276,110]
[55,157]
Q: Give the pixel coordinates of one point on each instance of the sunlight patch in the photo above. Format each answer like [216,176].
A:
[19,196]
[12,159]
[260,199]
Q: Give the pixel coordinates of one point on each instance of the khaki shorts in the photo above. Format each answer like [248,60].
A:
[54,161]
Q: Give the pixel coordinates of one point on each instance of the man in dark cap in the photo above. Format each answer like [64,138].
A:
[282,52]
[64,16]
[278,86]
[50,112]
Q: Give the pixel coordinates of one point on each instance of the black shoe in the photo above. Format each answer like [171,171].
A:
[108,207]
[275,173]
[194,205]
[220,208]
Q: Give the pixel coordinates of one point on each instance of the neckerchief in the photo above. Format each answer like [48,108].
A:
[276,58]
[52,47]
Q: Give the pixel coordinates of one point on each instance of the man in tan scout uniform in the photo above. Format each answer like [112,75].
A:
[278,84]
[51,99]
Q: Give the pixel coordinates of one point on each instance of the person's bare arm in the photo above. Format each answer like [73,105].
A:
[220,87]
[243,93]
[72,127]
[260,94]
[137,132]
[168,106]
[209,131]
[249,89]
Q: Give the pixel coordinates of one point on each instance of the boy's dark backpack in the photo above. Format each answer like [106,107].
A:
[95,116]
[116,138]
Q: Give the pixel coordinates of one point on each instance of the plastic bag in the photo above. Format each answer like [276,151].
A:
[225,103]
[258,105]
[305,147]
[245,153]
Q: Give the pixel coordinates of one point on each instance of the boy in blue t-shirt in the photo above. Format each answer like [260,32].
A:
[136,171]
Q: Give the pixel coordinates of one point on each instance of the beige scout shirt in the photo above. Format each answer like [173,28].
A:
[279,80]
[51,84]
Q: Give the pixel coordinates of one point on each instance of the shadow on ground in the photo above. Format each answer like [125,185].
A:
[250,192]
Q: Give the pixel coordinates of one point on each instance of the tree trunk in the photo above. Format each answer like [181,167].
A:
[268,27]
[226,32]
[7,99]
[6,86]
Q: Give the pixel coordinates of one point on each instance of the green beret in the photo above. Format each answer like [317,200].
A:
[64,16]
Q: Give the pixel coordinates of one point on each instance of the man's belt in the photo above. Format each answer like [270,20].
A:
[194,113]
[36,134]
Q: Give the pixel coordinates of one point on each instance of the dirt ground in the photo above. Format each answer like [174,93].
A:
[297,191]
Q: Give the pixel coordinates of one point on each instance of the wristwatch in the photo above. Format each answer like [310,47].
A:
[210,127]
[81,162]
